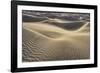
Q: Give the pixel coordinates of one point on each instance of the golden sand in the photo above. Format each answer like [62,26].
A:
[45,42]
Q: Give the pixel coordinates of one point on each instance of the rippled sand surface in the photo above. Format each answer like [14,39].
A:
[45,42]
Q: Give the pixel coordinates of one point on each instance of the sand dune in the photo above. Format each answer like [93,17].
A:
[45,42]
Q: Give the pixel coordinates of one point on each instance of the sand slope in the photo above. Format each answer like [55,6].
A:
[45,42]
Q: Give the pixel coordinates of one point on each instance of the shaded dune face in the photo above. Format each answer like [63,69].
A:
[45,42]
[69,25]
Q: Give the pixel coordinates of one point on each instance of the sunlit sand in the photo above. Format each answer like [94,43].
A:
[45,42]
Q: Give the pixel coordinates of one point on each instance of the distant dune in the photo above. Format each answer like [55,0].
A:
[66,24]
[46,42]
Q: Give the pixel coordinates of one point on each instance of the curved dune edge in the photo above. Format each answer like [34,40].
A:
[44,42]
[54,31]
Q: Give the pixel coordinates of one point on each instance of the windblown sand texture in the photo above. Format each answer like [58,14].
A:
[55,39]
